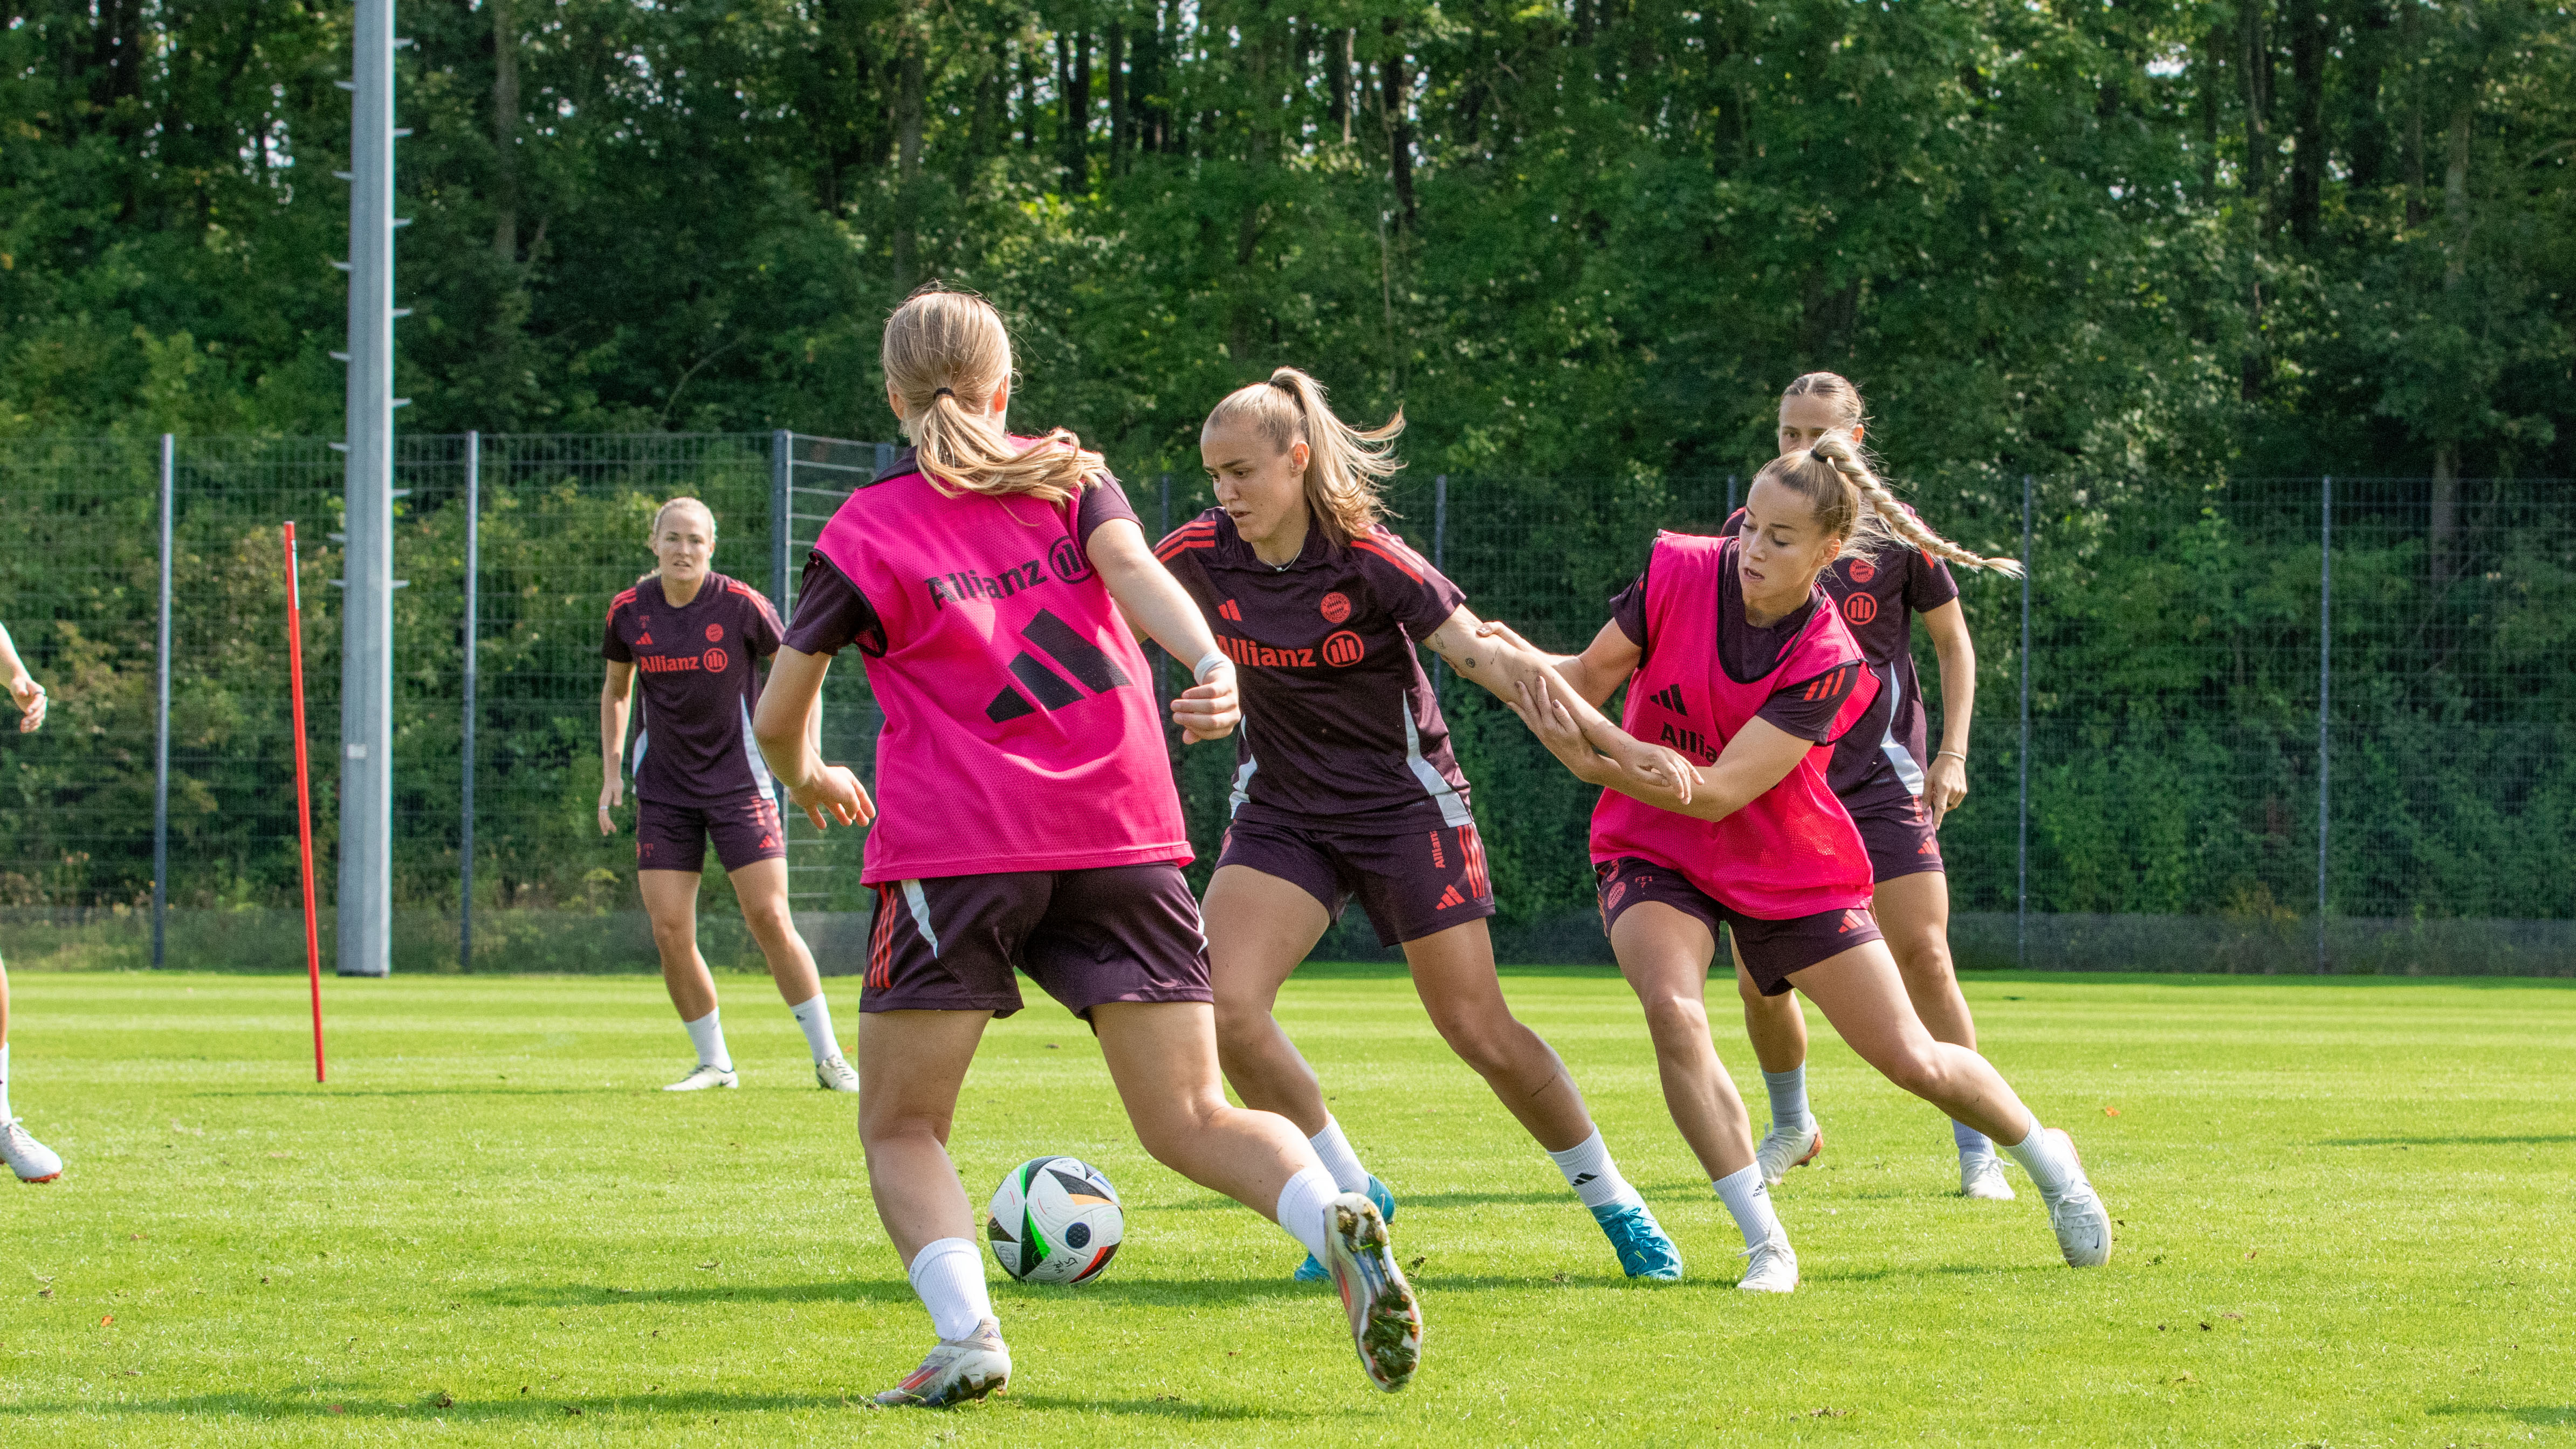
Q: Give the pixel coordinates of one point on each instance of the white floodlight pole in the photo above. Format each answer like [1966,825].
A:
[367,627]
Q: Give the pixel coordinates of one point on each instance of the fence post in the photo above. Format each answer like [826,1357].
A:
[1162,685]
[1440,564]
[1730,500]
[780,526]
[2021,917]
[161,713]
[2325,683]
[473,638]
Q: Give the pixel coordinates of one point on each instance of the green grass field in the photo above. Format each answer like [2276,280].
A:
[2346,1210]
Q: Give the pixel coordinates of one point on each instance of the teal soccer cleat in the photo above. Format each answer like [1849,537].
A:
[1311,1271]
[1644,1250]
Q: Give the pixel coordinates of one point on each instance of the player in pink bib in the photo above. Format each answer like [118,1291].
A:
[1748,670]
[1029,824]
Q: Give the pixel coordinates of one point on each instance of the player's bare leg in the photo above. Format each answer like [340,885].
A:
[1665,954]
[1914,915]
[1863,996]
[1163,1058]
[912,1064]
[761,887]
[671,903]
[1778,1031]
[30,1159]
[1453,972]
[1259,930]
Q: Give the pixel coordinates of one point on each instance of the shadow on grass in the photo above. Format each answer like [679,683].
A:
[2538,1141]
[1407,1202]
[1172,1408]
[323,1093]
[327,1405]
[2548,1414]
[1951,1270]
[588,1295]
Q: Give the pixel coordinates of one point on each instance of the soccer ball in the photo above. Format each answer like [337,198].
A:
[1054,1220]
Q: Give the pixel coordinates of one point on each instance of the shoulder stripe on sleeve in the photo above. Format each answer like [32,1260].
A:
[1406,561]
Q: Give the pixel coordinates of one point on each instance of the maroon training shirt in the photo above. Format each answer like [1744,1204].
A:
[1339,721]
[1879,597]
[1748,653]
[831,612]
[694,670]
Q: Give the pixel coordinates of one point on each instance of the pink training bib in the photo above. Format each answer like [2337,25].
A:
[1021,731]
[1793,851]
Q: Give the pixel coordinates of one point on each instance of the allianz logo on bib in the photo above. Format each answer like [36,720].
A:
[1689,742]
[969,583]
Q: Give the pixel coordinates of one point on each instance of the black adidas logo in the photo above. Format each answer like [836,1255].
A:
[1671,699]
[1581,1178]
[1080,657]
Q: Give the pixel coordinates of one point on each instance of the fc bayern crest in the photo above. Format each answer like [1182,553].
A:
[715,633]
[1336,607]
[1862,570]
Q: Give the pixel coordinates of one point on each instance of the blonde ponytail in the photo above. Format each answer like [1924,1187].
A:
[945,355]
[1344,465]
[1885,517]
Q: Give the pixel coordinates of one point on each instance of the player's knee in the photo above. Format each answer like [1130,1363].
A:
[1676,1022]
[1487,1045]
[1916,1068]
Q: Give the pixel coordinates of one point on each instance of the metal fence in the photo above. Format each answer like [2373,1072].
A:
[2248,724]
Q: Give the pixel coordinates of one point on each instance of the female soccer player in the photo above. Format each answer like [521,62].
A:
[1894,794]
[1345,785]
[1029,822]
[694,634]
[1733,655]
[32,1160]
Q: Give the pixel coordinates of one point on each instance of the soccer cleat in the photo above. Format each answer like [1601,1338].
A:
[1645,1251]
[1311,1271]
[1983,1177]
[835,1075]
[2083,1225]
[701,1077]
[957,1370]
[32,1160]
[1771,1266]
[1386,1322]
[1779,1151]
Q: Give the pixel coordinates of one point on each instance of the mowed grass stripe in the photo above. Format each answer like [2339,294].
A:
[490,1218]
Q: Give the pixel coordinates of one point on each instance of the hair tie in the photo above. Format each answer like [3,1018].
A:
[940,392]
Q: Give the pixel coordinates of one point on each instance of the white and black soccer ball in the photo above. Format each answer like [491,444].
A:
[1054,1220]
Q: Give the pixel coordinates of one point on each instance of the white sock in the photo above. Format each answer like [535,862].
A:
[2053,1172]
[4,1083]
[815,1019]
[1789,1099]
[949,1276]
[1334,1151]
[1593,1176]
[1302,1204]
[1972,1143]
[707,1035]
[1749,1199]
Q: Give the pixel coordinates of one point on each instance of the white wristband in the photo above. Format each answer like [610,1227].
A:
[1200,671]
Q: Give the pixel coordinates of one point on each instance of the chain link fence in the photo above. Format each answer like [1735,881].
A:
[2247,725]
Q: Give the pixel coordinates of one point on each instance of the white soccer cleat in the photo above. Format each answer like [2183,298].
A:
[701,1077]
[32,1160]
[1779,1151]
[1772,1265]
[958,1369]
[2083,1225]
[836,1075]
[1386,1322]
[1983,1177]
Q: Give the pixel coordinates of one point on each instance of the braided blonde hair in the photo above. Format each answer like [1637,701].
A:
[1344,465]
[945,354]
[1851,501]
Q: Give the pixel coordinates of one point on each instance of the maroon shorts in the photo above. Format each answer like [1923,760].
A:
[1413,884]
[674,837]
[1894,827]
[1772,951]
[950,943]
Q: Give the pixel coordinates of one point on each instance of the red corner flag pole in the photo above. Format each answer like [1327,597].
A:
[303,789]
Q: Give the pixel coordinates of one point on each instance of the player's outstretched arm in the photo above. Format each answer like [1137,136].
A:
[24,691]
[1760,756]
[1151,600]
[616,704]
[787,727]
[1594,675]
